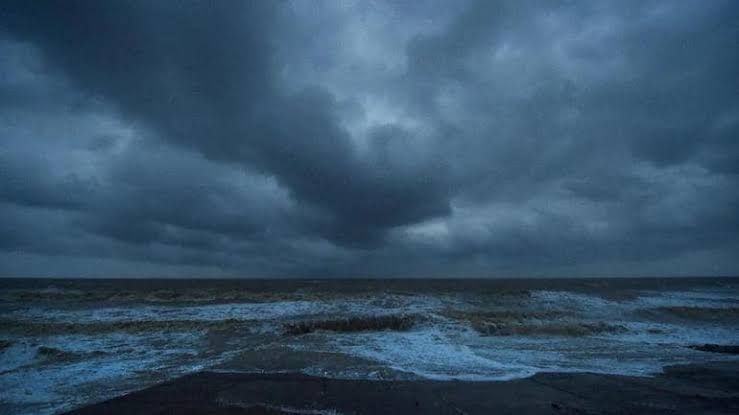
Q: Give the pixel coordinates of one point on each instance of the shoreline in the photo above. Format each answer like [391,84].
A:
[694,388]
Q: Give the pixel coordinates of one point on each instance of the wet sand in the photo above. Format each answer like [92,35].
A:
[690,389]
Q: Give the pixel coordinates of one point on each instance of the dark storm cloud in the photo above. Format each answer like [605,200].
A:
[291,138]
[200,75]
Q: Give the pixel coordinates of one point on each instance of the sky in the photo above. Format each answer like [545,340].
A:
[369,138]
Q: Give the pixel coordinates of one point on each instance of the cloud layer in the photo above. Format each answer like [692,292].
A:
[369,138]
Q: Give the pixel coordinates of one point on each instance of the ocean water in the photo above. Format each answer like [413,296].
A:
[66,343]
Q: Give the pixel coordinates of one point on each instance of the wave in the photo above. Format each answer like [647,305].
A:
[157,296]
[700,313]
[550,329]
[502,315]
[430,351]
[32,328]
[353,324]
[55,355]
[46,294]
[4,344]
[529,323]
[204,295]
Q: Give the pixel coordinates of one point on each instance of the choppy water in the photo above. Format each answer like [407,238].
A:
[67,343]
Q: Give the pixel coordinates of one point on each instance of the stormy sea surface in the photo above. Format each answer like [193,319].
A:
[66,343]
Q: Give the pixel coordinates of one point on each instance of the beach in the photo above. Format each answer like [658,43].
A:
[711,388]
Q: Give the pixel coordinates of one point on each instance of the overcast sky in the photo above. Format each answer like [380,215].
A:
[369,138]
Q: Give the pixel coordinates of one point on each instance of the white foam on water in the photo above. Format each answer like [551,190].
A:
[49,388]
[567,300]
[439,348]
[598,354]
[239,311]
[120,358]
[693,298]
[104,365]
[448,349]
[428,352]
[276,310]
[679,335]
[18,354]
[596,305]
[585,305]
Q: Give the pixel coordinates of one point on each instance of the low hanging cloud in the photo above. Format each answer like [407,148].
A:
[351,139]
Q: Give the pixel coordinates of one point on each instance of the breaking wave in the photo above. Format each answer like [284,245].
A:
[549,329]
[521,323]
[55,355]
[719,314]
[353,324]
[53,335]
[53,328]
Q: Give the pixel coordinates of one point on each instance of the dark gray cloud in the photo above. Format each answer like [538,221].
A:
[201,76]
[338,139]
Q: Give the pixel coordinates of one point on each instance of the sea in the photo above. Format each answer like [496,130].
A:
[66,343]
